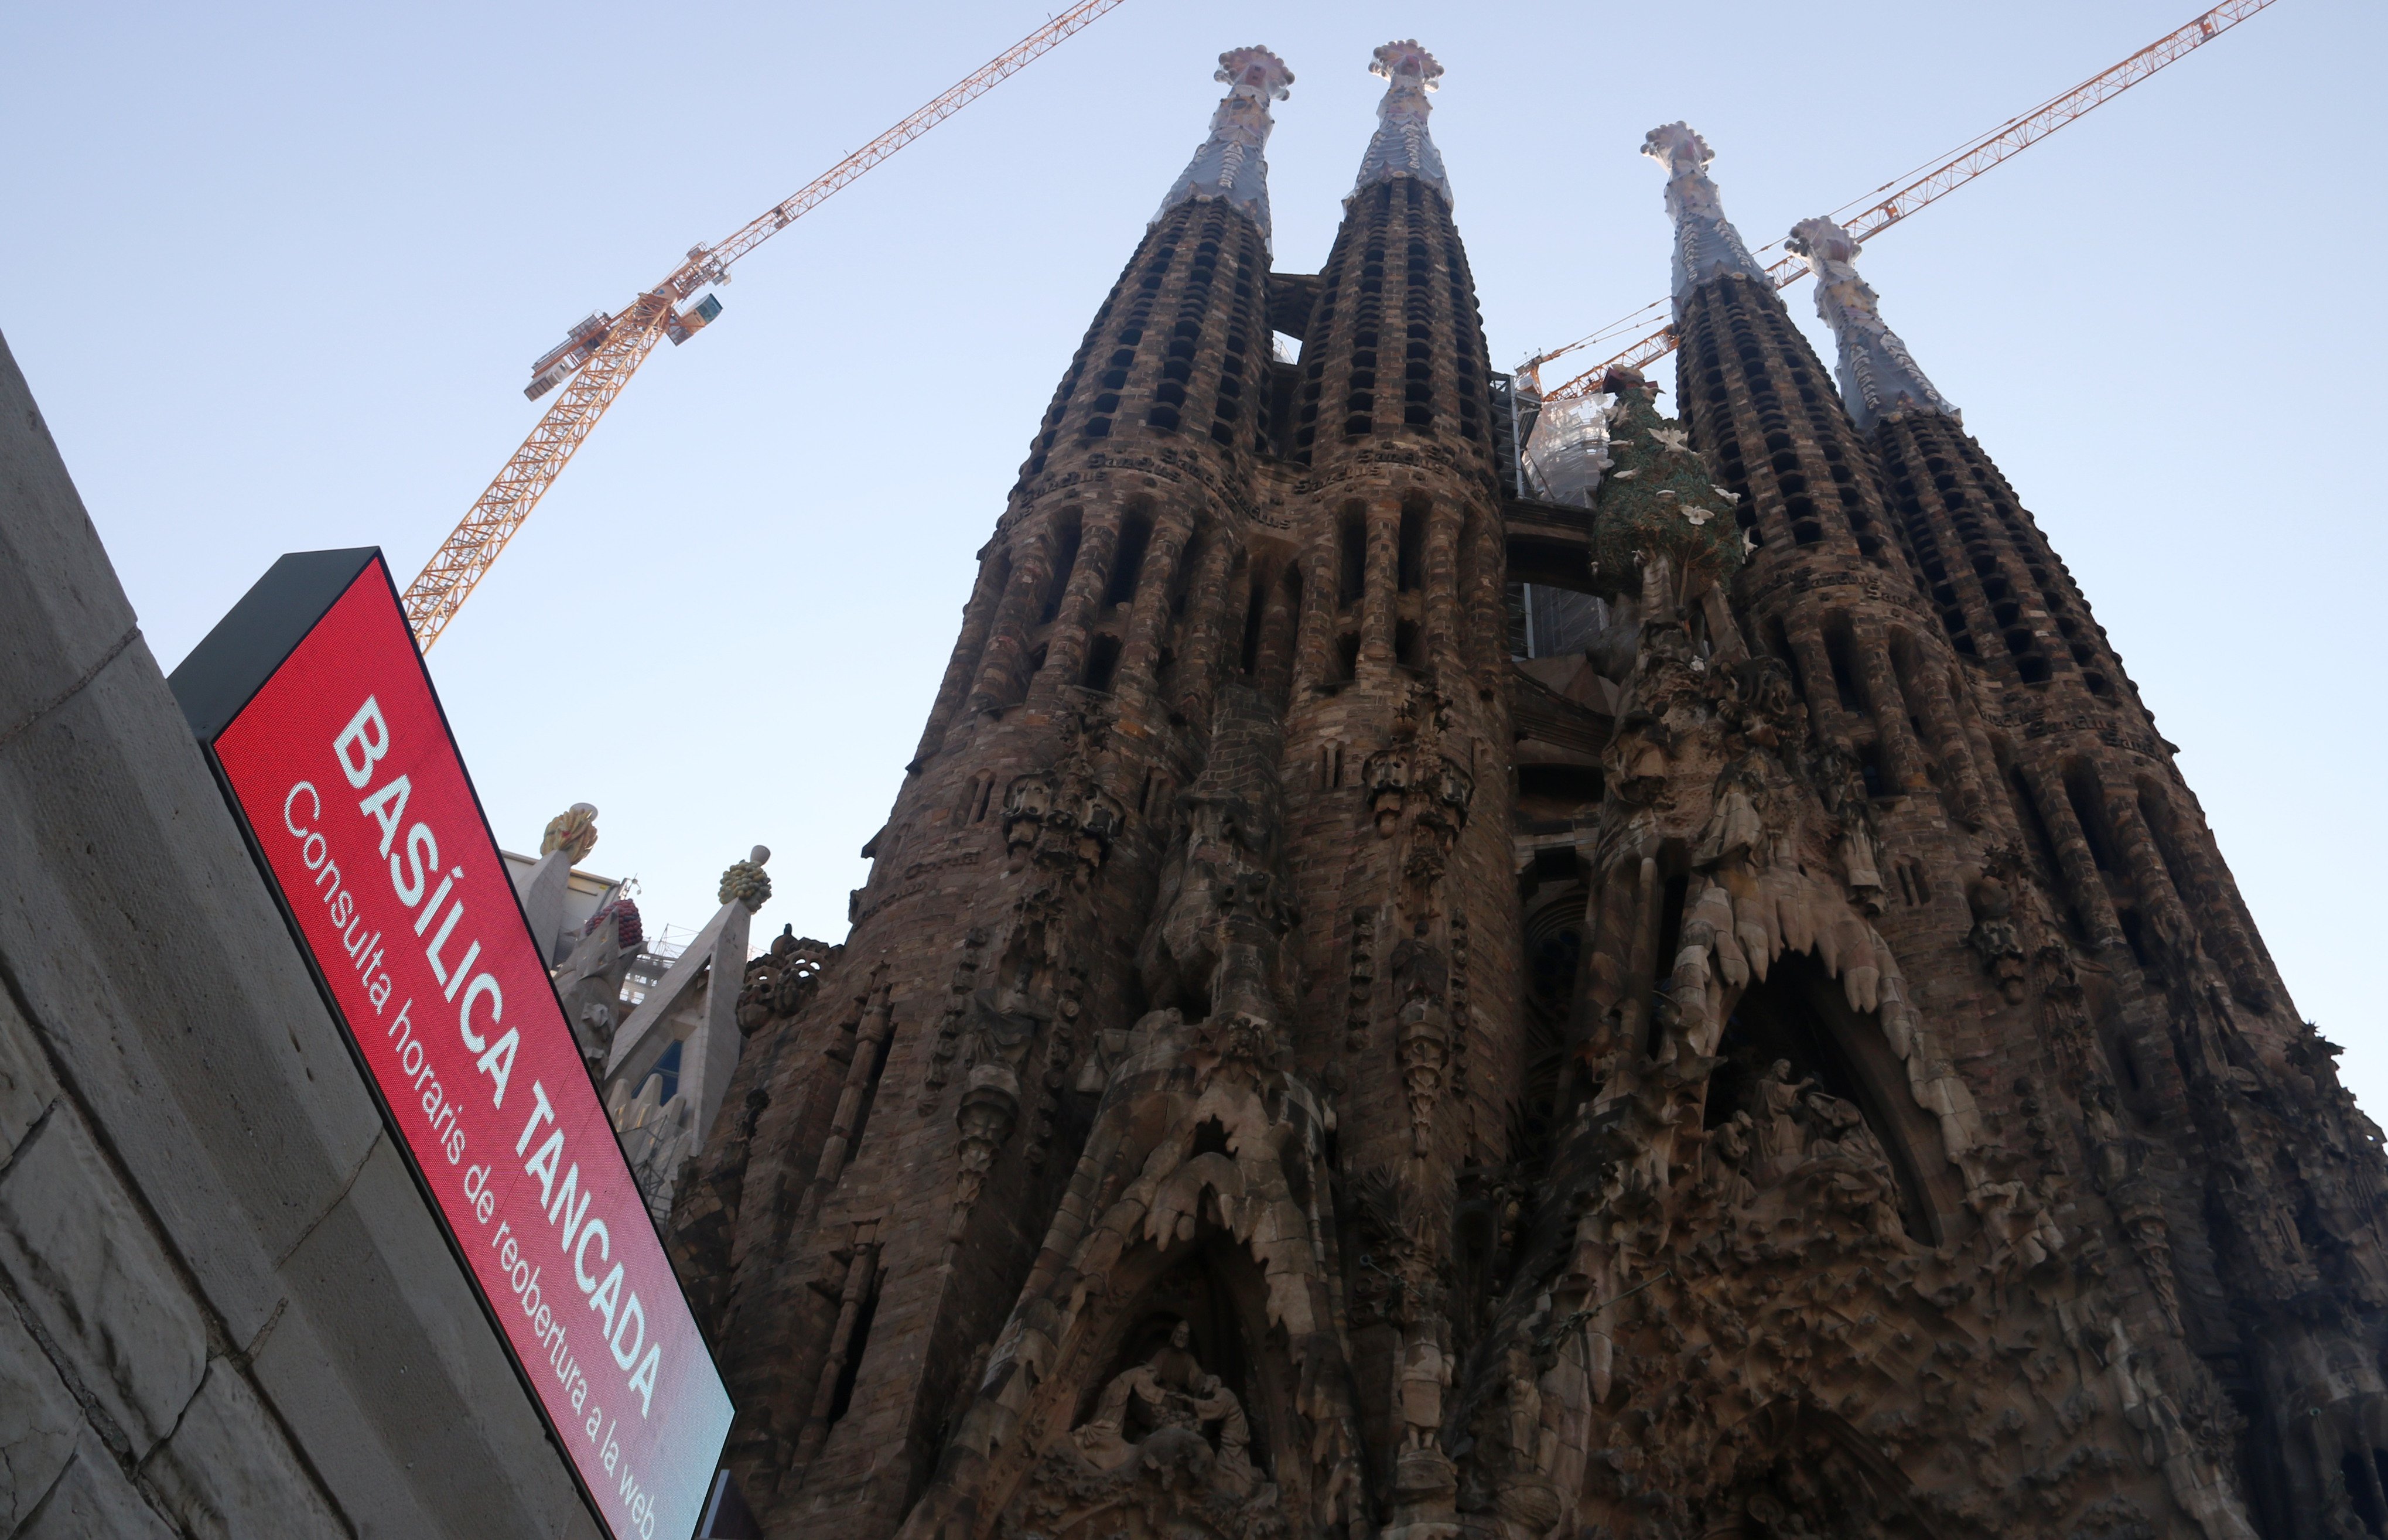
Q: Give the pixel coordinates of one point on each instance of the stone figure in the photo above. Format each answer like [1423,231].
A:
[1168,1390]
[1782,1143]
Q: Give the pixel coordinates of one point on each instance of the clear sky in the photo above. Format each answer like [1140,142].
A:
[276,275]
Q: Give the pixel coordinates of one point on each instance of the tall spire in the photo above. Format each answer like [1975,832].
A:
[1878,377]
[1401,145]
[1707,246]
[1229,165]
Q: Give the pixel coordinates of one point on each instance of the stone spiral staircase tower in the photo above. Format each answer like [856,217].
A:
[1793,1063]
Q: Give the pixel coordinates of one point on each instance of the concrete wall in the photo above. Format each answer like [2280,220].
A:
[224,1308]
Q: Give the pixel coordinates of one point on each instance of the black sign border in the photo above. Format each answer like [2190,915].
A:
[214,684]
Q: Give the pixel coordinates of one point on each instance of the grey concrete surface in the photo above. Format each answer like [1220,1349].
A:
[224,1307]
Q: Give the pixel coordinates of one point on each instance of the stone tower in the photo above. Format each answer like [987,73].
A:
[1790,1061]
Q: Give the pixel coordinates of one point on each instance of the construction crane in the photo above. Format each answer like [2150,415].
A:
[1934,182]
[597,358]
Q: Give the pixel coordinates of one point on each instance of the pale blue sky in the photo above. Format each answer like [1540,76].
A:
[276,275]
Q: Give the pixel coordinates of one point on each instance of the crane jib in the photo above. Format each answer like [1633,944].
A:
[597,357]
[1951,172]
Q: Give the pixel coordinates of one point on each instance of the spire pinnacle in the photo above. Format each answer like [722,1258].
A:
[1401,145]
[1878,377]
[1707,246]
[1228,165]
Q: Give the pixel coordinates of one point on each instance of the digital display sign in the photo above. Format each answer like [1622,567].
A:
[319,722]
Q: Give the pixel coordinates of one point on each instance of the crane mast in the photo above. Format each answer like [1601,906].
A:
[598,357]
[1934,182]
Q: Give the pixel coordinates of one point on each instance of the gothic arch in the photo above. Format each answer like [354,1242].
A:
[1800,1015]
[1802,1470]
[1203,1177]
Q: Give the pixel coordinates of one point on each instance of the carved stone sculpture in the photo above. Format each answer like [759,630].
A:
[1811,1076]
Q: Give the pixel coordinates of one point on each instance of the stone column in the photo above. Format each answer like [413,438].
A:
[1007,647]
[2148,878]
[1065,652]
[1825,709]
[1147,621]
[1376,599]
[1315,658]
[1930,693]
[1205,607]
[2082,884]
[1902,754]
[1273,669]
[977,616]
[1441,575]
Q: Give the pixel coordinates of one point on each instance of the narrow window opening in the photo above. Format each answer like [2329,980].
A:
[2090,810]
[869,1097]
[1065,559]
[1347,655]
[1670,937]
[1845,679]
[1102,660]
[2134,935]
[1254,613]
[1352,550]
[842,1399]
[1405,645]
[2361,1490]
[1411,570]
[1127,563]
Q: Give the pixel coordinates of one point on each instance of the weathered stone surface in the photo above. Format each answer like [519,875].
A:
[228,1474]
[147,966]
[26,1086]
[92,1500]
[38,1422]
[1792,1062]
[79,1255]
[68,613]
[152,959]
[358,1395]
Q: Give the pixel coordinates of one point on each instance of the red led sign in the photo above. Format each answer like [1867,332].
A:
[318,716]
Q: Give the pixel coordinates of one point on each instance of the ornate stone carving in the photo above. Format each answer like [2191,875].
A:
[1170,1390]
[746,881]
[1707,246]
[1230,164]
[1879,378]
[1402,146]
[573,830]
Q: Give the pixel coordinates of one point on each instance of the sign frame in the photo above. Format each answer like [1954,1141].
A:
[222,677]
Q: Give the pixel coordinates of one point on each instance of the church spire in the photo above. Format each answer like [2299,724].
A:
[1878,377]
[1707,246]
[1229,165]
[1401,145]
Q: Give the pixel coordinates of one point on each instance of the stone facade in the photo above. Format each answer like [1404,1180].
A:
[1795,1065]
[225,1308]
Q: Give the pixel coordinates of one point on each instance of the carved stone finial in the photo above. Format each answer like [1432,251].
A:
[1707,246]
[573,830]
[1878,377]
[1402,146]
[1228,165]
[745,882]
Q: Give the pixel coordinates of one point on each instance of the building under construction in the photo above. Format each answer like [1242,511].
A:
[1453,961]
[1624,975]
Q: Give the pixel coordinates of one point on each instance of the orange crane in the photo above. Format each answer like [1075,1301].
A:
[1936,181]
[596,358]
